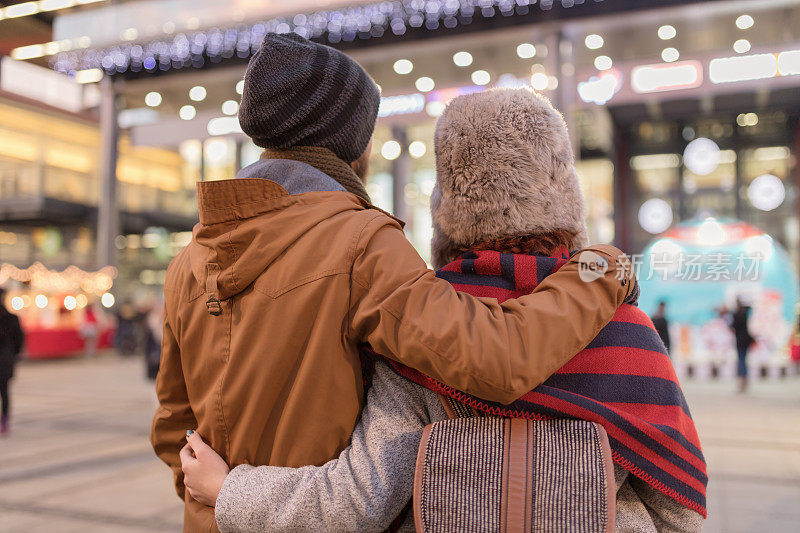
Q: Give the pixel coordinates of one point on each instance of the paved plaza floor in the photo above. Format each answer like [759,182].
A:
[78,458]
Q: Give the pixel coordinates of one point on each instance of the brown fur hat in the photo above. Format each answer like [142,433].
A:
[504,168]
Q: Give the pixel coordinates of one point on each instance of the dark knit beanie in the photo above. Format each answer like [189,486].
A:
[300,93]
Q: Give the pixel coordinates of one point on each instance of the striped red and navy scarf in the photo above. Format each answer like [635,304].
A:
[622,380]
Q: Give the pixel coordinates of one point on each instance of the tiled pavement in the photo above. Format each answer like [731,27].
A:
[79,460]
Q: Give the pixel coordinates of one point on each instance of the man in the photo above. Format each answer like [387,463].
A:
[11,340]
[661,324]
[738,320]
[291,269]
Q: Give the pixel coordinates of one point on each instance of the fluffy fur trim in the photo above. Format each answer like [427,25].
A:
[504,167]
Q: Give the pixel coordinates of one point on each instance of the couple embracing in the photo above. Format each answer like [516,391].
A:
[296,291]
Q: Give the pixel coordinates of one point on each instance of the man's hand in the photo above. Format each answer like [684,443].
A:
[204,470]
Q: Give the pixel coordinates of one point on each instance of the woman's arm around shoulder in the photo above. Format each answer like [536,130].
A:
[364,489]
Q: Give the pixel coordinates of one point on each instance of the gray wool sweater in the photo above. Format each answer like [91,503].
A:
[370,483]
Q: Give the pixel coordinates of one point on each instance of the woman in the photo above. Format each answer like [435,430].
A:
[11,340]
[506,210]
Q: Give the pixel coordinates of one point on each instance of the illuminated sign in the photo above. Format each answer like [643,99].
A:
[401,104]
[667,77]
[742,68]
[789,63]
[601,88]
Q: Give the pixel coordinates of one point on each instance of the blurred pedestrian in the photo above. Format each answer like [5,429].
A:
[126,336]
[154,329]
[661,324]
[291,270]
[11,341]
[90,331]
[738,322]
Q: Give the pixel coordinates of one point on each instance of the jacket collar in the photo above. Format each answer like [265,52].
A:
[294,176]
[241,198]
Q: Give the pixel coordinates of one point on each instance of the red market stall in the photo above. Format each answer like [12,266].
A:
[61,312]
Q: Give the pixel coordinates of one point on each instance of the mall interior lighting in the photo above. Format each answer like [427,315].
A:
[742,68]
[403,66]
[40,301]
[130,34]
[230,107]
[760,246]
[741,46]
[417,149]
[70,303]
[462,59]
[766,192]
[187,112]
[223,126]
[655,216]
[789,63]
[601,88]
[666,32]
[31,51]
[17,303]
[603,63]
[107,300]
[526,50]
[747,119]
[710,233]
[670,55]
[435,108]
[481,77]
[424,84]
[391,150]
[662,77]
[701,156]
[240,87]
[153,99]
[539,81]
[198,93]
[21,10]
[593,41]
[744,22]
[368,20]
[91,75]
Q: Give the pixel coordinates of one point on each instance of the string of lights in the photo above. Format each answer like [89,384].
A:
[363,22]
[72,278]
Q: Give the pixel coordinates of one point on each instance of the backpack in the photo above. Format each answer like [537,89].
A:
[491,474]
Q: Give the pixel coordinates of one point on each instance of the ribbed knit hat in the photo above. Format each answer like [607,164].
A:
[504,168]
[300,93]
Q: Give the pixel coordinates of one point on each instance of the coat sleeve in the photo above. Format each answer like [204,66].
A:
[174,414]
[668,516]
[494,351]
[364,489]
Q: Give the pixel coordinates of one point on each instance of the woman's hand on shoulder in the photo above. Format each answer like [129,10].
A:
[204,471]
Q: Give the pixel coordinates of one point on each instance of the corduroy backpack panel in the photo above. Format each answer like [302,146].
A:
[488,474]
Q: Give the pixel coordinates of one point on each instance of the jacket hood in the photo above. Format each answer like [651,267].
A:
[231,248]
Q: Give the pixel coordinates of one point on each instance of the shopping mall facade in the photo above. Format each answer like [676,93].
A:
[638,83]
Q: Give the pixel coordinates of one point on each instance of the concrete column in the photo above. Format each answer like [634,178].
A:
[401,174]
[108,209]
[567,89]
[623,221]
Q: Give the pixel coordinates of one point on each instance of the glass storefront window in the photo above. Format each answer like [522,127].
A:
[219,156]
[597,184]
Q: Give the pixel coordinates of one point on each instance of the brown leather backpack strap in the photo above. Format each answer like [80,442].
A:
[517,493]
